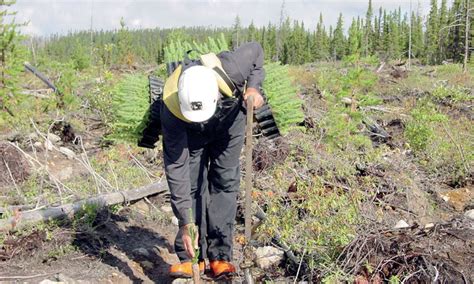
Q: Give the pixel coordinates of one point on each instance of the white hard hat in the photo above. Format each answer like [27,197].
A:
[198,93]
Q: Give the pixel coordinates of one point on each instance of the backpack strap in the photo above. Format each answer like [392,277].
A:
[226,86]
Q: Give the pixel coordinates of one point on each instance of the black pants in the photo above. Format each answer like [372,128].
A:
[215,180]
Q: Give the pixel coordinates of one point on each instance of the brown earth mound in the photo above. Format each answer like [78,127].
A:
[14,167]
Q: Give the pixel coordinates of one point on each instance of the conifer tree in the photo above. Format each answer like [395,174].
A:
[338,40]
[251,32]
[12,54]
[321,41]
[432,30]
[236,33]
[368,31]
[124,44]
[417,35]
[354,39]
[443,23]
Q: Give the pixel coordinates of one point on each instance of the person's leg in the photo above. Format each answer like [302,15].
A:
[198,169]
[224,181]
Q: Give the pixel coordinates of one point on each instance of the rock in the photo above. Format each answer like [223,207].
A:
[53,137]
[142,207]
[48,145]
[32,136]
[429,225]
[147,265]
[65,173]
[459,198]
[401,224]
[268,256]
[347,101]
[68,152]
[469,214]
[141,252]
[38,145]
[175,221]
[166,208]
[65,279]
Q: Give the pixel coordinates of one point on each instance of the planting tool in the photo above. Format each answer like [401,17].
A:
[247,263]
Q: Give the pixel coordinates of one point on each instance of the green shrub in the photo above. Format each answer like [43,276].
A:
[454,94]
[420,129]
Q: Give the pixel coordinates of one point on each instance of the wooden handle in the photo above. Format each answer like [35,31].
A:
[248,170]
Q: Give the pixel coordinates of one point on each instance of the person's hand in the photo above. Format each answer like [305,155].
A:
[189,244]
[258,100]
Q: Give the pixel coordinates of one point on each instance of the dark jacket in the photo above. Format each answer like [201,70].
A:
[244,66]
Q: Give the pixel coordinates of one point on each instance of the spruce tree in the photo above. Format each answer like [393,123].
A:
[251,32]
[354,39]
[321,41]
[338,40]
[443,31]
[417,35]
[368,31]
[12,55]
[236,33]
[432,30]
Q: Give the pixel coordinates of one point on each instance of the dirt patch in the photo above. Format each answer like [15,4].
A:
[14,168]
[117,247]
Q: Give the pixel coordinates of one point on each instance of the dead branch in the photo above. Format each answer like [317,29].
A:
[25,277]
[69,210]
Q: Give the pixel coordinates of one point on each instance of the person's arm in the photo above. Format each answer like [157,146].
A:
[245,64]
[176,160]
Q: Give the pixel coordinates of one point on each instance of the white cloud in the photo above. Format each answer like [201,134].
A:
[62,16]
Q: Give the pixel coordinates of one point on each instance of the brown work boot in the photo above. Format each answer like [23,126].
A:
[185,269]
[222,268]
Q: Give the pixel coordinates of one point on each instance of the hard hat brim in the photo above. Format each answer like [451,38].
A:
[199,116]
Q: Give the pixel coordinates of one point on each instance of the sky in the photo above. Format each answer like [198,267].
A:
[47,17]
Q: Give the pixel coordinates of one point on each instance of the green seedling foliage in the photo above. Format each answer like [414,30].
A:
[420,130]
[86,216]
[283,97]
[439,143]
[193,234]
[343,124]
[176,48]
[130,102]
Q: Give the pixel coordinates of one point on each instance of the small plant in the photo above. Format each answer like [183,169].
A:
[454,94]
[195,260]
[420,130]
[85,218]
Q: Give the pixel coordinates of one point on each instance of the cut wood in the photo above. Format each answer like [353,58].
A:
[69,210]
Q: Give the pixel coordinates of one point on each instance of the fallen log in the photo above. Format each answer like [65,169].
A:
[69,210]
[40,76]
